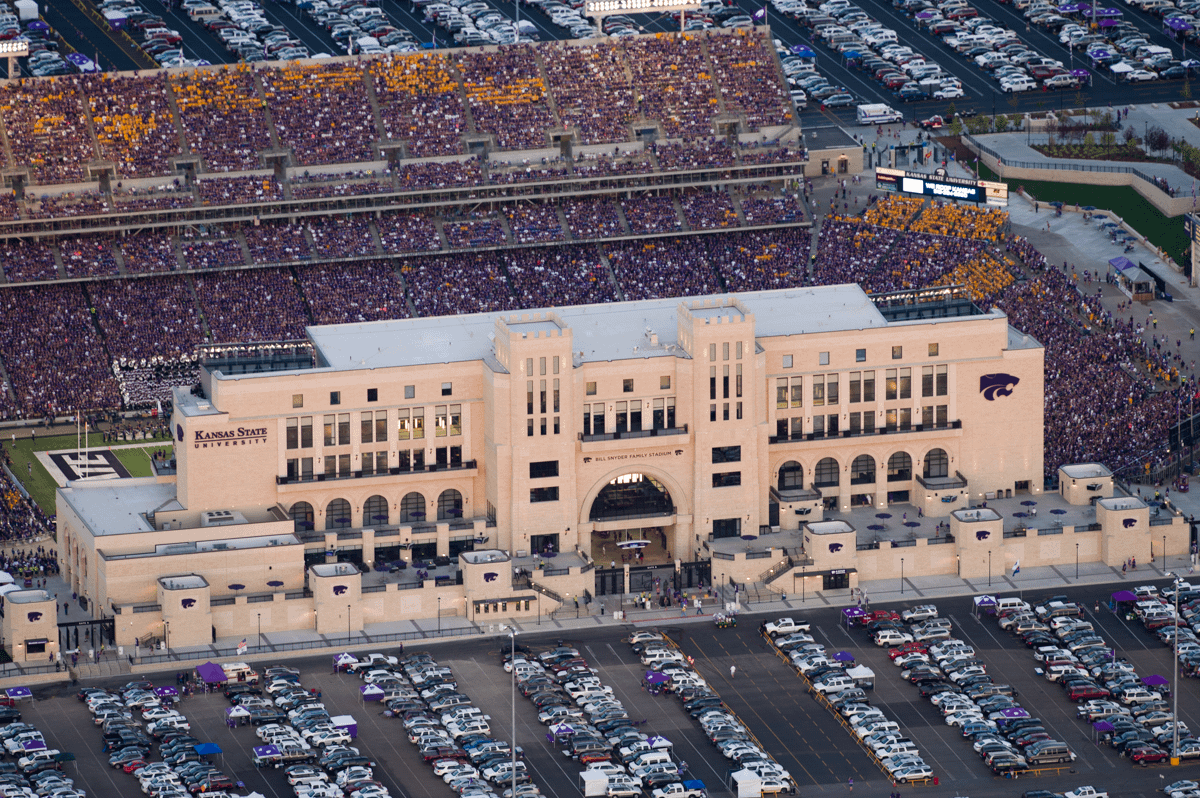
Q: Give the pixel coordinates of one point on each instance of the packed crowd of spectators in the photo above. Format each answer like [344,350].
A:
[591,91]
[663,267]
[20,519]
[75,203]
[655,214]
[343,294]
[174,195]
[471,233]
[149,251]
[704,153]
[53,354]
[593,217]
[25,260]
[345,184]
[89,256]
[447,285]
[507,96]
[238,190]
[438,174]
[706,209]
[223,117]
[761,260]
[746,73]
[949,219]
[566,275]
[407,232]
[252,305]
[47,127]
[894,212]
[771,210]
[527,171]
[133,122]
[211,253]
[157,319]
[277,242]
[419,103]
[673,75]
[321,111]
[984,275]
[589,164]
[534,223]
[342,236]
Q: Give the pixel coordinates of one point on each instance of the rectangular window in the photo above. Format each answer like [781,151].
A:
[293,433]
[855,387]
[418,459]
[589,388]
[335,397]
[926,380]
[712,382]
[891,387]
[368,464]
[868,386]
[542,469]
[403,462]
[343,465]
[906,383]
[293,469]
[905,418]
[941,380]
[622,420]
[529,397]
[797,425]
[543,425]
[927,416]
[439,421]
[372,394]
[542,366]
[727,454]
[797,392]
[725,411]
[456,457]
[831,424]
[727,479]
[306,440]
[410,392]
[818,390]
[529,427]
[933,350]
[781,393]
[297,400]
[725,382]
[943,415]
[456,419]
[557,425]
[819,426]
[306,468]
[598,418]
[712,353]
[860,355]
[529,367]
[831,389]
[891,419]
[537,495]
[664,383]
[381,426]
[738,415]
[787,361]
[555,364]
[737,388]
[823,358]
[626,386]
[329,423]
[726,527]
[587,420]
[725,351]
[739,350]
[868,423]
[671,412]
[418,419]
[403,425]
[635,415]
[447,388]
[542,396]
[897,353]
[367,423]
[381,462]
[343,429]
[855,423]
[556,410]
[712,412]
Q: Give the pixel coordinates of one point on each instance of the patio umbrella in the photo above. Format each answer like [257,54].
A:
[634,544]
[342,520]
[380,517]
[749,537]
[883,515]
[876,527]
[274,583]
[1020,515]
[1057,511]
[1087,207]
[912,523]
[1056,203]
[844,656]
[237,712]
[166,691]
[237,587]
[1028,503]
[927,14]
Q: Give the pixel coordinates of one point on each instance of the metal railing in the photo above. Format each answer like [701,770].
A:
[775,571]
[545,591]
[630,434]
[972,143]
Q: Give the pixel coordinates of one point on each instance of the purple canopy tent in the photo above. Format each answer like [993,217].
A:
[211,673]
[18,692]
[166,692]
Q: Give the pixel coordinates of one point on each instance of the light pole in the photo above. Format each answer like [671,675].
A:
[260,630]
[902,576]
[166,636]
[439,616]
[1175,679]
[512,636]
[1076,560]
[989,568]
[1164,552]
[347,623]
[803,583]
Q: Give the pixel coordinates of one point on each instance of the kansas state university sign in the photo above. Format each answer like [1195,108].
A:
[242,436]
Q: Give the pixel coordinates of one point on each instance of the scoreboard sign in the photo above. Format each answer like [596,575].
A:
[941,185]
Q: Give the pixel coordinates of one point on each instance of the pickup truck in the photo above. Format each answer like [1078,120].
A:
[1085,792]
[681,789]
[785,625]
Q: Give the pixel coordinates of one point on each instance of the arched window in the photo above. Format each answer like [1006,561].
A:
[862,470]
[337,514]
[302,514]
[412,509]
[631,496]
[899,467]
[791,476]
[375,511]
[449,505]
[937,464]
[826,474]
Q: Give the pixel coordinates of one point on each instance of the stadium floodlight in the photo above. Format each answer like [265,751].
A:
[602,8]
[12,48]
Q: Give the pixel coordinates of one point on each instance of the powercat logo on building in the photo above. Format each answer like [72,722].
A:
[242,436]
[993,385]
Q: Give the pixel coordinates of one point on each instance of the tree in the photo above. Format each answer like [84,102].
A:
[1051,128]
[1081,102]
[1157,139]
[1130,135]
[951,111]
[956,126]
[1108,138]
[1186,91]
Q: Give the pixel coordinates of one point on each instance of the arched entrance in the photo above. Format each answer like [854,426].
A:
[632,515]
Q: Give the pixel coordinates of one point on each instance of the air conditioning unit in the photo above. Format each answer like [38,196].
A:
[221,518]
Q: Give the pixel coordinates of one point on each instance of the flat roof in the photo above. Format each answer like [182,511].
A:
[183,582]
[830,527]
[26,596]
[1020,340]
[334,569]
[976,514]
[116,508]
[1085,470]
[609,331]
[1122,503]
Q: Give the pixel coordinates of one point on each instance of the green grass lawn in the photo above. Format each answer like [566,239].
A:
[137,460]
[37,480]
[1162,231]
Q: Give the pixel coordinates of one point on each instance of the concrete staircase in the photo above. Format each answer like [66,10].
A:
[177,119]
[624,219]
[612,276]
[683,222]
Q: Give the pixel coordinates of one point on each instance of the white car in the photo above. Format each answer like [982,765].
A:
[948,93]
[1140,75]
[1140,696]
[890,637]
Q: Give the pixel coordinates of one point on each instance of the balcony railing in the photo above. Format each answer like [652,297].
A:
[631,434]
[391,472]
[632,512]
[818,436]
[942,483]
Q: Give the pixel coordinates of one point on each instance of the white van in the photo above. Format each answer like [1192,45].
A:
[239,672]
[668,655]
[649,758]
[202,13]
[1012,603]
[363,14]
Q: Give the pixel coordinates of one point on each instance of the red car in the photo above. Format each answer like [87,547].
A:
[136,764]
[1147,755]
[933,123]
[908,648]
[878,615]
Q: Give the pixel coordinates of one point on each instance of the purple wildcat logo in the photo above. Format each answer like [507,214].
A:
[1128,522]
[490,576]
[993,385]
[339,590]
[188,603]
[35,616]
[982,534]
[834,548]
[179,432]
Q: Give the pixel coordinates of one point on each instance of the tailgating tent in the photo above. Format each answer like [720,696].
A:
[207,749]
[1121,68]
[1177,24]
[862,676]
[33,745]
[166,692]
[371,692]
[344,660]
[6,578]
[804,51]
[18,692]
[1155,680]
[659,742]
[211,673]
[346,722]
[10,587]
[1124,595]
[852,614]
[237,712]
